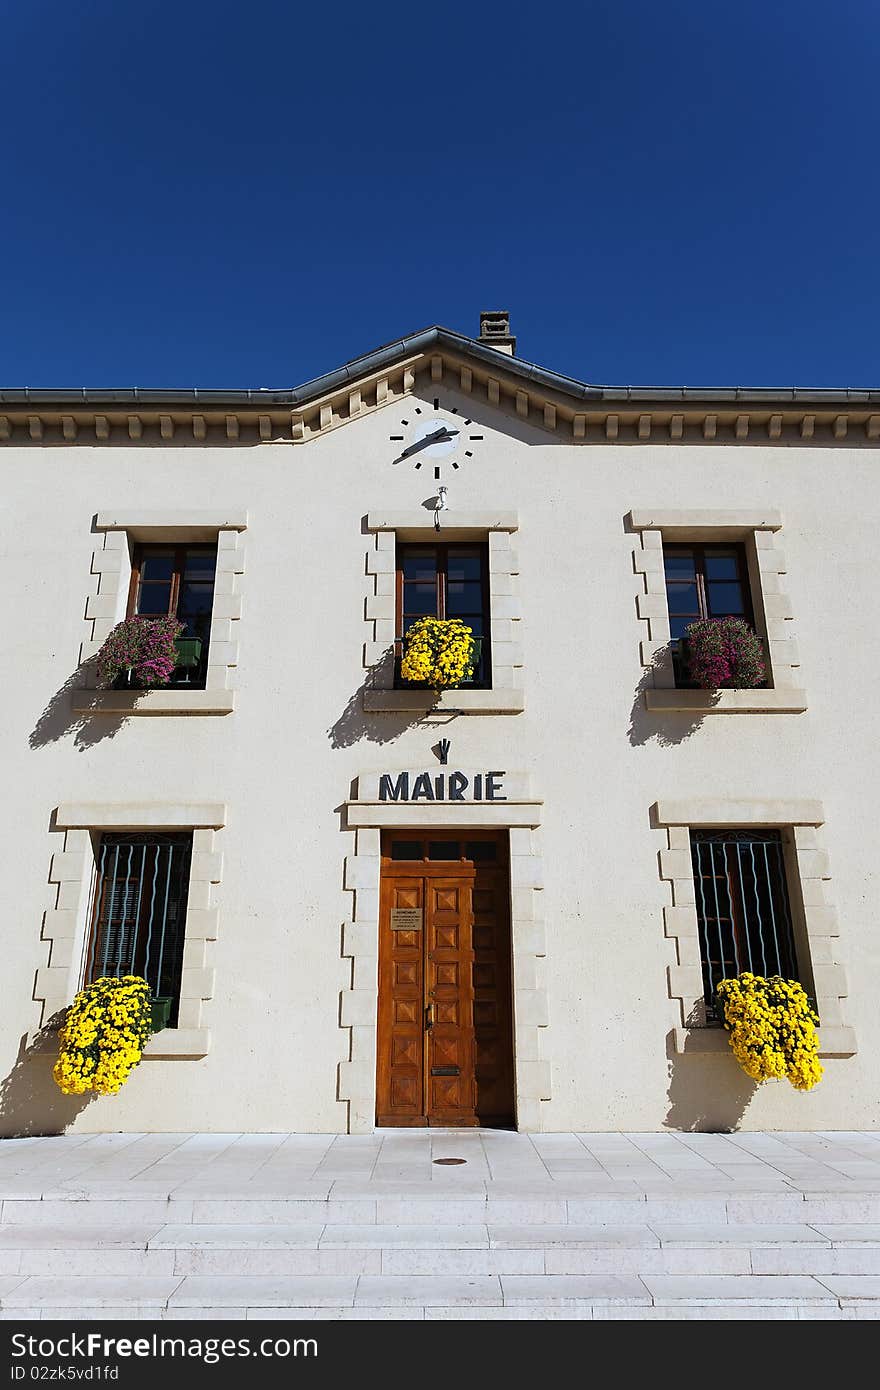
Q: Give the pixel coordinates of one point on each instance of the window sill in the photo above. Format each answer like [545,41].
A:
[170,1042]
[449,701]
[173,701]
[178,1042]
[833,1042]
[777,701]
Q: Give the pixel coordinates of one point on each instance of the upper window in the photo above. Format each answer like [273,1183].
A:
[139,912]
[445,581]
[178,581]
[703,581]
[743,912]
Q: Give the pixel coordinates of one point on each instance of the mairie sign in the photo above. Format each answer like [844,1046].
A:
[441,786]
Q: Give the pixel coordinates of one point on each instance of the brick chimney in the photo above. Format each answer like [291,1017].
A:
[495,331]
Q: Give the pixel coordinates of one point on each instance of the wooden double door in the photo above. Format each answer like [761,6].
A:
[445,1036]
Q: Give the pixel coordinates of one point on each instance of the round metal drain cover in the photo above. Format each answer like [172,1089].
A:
[447,1161]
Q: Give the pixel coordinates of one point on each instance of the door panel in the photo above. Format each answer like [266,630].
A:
[450,1059]
[401,1032]
[444,1043]
[493,1063]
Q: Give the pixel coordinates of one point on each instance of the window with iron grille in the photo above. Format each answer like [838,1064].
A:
[177,581]
[445,581]
[703,581]
[139,911]
[743,912]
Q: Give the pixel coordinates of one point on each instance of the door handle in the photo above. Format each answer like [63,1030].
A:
[429,1017]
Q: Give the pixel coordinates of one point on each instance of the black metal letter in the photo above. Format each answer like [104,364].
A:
[394,791]
[422,790]
[492,790]
[458,784]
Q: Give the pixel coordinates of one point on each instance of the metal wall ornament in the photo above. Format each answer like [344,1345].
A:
[441,748]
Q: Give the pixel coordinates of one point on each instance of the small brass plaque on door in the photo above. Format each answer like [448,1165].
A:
[406,919]
[446,1071]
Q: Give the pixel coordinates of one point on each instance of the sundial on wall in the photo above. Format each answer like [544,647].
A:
[430,437]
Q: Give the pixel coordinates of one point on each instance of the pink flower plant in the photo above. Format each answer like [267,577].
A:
[724,654]
[143,646]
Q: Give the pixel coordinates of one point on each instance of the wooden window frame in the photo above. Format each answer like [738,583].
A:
[179,551]
[442,549]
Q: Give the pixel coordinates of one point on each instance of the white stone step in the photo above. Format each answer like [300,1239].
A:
[778,1310]
[236,1295]
[820,1209]
[313,1251]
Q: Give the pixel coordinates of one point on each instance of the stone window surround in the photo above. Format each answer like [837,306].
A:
[814,919]
[367,816]
[772,608]
[111,562]
[383,531]
[72,877]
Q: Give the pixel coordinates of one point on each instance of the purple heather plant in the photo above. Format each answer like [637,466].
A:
[724,654]
[145,646]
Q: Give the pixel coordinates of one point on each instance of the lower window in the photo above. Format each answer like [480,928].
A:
[139,912]
[743,910]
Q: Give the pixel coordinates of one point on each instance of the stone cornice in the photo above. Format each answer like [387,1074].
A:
[609,416]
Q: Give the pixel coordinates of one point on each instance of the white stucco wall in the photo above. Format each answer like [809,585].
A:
[284,761]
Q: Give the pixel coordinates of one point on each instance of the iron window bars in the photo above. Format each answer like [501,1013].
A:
[743,912]
[139,911]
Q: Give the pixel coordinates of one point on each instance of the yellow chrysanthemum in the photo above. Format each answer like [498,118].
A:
[439,652]
[772,1029]
[103,1036]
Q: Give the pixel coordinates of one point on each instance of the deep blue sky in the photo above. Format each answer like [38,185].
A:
[230,194]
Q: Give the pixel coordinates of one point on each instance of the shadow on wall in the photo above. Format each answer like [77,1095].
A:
[708,1093]
[30,1102]
[667,729]
[59,718]
[355,724]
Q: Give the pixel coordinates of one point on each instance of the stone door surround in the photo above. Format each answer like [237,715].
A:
[366,815]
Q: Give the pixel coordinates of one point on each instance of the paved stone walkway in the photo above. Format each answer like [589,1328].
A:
[638,1226]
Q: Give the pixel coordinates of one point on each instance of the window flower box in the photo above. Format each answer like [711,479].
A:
[160,1013]
[189,652]
[189,659]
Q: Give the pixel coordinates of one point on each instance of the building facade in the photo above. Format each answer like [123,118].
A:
[507,905]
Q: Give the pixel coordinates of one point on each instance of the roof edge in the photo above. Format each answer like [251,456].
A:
[421,342]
